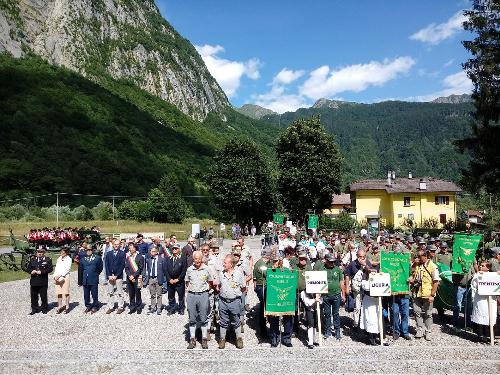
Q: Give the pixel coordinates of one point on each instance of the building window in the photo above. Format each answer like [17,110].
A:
[442,199]
[406,201]
[411,217]
[442,218]
[400,216]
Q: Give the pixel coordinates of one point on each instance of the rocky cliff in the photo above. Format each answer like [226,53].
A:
[124,39]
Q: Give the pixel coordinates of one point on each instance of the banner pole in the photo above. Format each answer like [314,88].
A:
[490,315]
[380,326]
[319,324]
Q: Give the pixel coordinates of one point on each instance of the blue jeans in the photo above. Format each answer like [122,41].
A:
[459,297]
[400,308]
[331,307]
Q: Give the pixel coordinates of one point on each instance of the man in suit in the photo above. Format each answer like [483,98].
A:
[114,264]
[176,271]
[154,276]
[134,265]
[39,267]
[89,270]
[188,250]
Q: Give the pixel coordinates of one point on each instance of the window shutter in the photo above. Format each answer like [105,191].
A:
[447,200]
[436,200]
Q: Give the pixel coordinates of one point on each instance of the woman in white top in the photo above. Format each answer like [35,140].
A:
[480,314]
[61,279]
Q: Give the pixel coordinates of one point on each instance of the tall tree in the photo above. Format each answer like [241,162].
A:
[167,204]
[240,181]
[309,164]
[484,71]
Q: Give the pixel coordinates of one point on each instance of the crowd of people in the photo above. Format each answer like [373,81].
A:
[55,237]
[209,285]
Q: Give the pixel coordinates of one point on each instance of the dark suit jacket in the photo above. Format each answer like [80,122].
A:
[161,270]
[139,260]
[114,265]
[89,270]
[177,269]
[43,264]
[187,251]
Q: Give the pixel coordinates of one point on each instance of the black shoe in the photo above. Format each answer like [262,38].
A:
[139,311]
[171,312]
[287,344]
[87,310]
[44,312]
[395,337]
[274,345]
[310,346]
[131,311]
[32,312]
[181,312]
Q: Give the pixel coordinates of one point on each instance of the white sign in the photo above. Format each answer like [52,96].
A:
[380,284]
[289,223]
[488,284]
[293,230]
[148,237]
[316,282]
[195,229]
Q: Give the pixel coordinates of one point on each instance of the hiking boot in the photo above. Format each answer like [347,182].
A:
[419,334]
[192,344]
[204,344]
[428,336]
[222,343]
[239,343]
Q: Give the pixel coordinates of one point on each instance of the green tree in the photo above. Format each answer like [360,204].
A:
[241,183]
[135,210]
[83,213]
[309,164]
[167,205]
[103,211]
[484,71]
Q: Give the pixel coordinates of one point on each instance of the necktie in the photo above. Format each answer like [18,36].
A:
[153,269]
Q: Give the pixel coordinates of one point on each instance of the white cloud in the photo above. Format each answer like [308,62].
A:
[279,101]
[286,76]
[435,34]
[457,84]
[324,82]
[448,63]
[226,72]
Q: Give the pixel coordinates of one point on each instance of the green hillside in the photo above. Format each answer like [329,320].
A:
[401,136]
[62,132]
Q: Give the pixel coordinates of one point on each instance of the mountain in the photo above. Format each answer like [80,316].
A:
[332,104]
[454,99]
[123,39]
[255,111]
[401,136]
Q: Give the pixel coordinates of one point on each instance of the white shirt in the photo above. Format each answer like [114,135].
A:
[63,266]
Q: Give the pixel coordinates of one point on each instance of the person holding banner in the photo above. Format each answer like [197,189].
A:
[480,313]
[134,264]
[310,302]
[425,281]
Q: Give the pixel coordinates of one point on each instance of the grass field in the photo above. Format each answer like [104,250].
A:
[121,226]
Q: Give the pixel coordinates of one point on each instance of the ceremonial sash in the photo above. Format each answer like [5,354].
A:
[132,263]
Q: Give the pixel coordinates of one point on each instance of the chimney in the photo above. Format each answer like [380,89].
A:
[423,184]
[389,178]
[409,175]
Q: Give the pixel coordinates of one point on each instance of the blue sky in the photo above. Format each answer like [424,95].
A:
[287,54]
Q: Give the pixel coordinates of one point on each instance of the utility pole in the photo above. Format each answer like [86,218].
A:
[113,207]
[57,210]
[491,212]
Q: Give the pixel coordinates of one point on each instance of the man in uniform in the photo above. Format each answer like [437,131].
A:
[90,268]
[495,261]
[198,282]
[443,256]
[39,267]
[373,256]
[332,300]
[134,266]
[242,265]
[231,287]
[259,282]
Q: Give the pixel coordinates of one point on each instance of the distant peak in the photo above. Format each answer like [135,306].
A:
[453,99]
[255,111]
[329,103]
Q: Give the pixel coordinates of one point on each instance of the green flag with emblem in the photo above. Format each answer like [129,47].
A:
[313,222]
[398,266]
[278,218]
[464,251]
[281,292]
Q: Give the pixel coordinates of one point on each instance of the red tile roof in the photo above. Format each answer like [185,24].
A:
[343,199]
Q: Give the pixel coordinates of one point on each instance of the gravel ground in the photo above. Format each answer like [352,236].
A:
[70,341]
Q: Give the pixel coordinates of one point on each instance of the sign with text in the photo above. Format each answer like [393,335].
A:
[313,222]
[281,292]
[316,282]
[488,284]
[398,266]
[464,251]
[380,284]
[278,218]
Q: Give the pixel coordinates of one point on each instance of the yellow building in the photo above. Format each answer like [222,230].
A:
[391,201]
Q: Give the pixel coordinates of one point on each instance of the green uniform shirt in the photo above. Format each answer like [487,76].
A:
[259,273]
[302,277]
[373,257]
[319,266]
[445,259]
[334,276]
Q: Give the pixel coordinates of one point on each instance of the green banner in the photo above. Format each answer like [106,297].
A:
[398,266]
[464,251]
[278,218]
[313,222]
[281,292]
